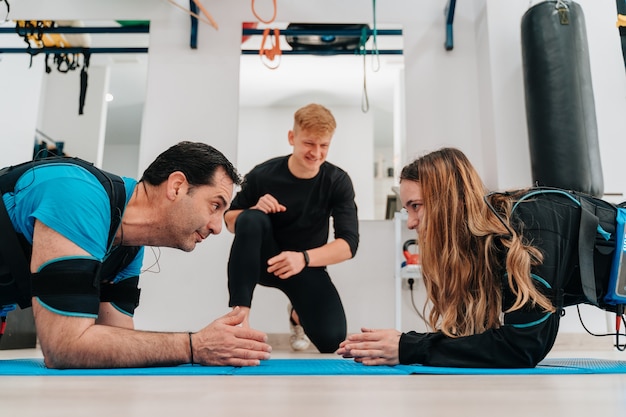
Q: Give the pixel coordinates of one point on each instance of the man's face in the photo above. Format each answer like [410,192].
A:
[309,151]
[200,212]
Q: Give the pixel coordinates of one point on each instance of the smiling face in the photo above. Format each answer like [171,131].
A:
[198,211]
[413,202]
[309,152]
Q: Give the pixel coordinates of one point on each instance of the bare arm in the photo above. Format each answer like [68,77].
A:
[110,316]
[74,342]
[110,341]
[329,254]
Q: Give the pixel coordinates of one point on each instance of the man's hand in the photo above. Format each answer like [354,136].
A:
[224,342]
[286,264]
[372,347]
[268,204]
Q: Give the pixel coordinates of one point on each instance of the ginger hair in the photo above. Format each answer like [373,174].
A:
[461,242]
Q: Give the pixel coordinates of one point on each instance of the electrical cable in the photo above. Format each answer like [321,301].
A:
[157,255]
[619,318]
[411,281]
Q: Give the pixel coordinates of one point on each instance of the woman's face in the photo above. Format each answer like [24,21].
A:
[411,197]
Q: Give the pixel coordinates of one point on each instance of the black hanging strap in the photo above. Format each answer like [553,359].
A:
[83,82]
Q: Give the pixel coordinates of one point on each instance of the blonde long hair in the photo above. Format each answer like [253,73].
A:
[461,240]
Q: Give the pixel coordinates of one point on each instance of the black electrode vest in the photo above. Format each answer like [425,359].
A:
[15,251]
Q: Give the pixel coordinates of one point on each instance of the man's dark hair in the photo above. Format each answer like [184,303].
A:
[197,160]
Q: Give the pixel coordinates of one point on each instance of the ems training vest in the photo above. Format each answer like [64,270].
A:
[15,251]
[600,250]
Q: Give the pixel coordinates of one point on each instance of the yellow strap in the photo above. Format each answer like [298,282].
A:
[621,21]
[46,39]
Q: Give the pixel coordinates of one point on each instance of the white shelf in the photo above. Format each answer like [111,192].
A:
[411,271]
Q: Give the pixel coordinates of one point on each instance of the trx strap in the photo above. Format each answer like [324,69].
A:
[271,20]
[274,51]
[83,82]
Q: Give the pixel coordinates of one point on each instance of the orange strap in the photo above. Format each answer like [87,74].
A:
[265,21]
[274,51]
[206,13]
[207,19]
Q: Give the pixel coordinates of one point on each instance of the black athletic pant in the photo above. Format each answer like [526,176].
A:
[311,292]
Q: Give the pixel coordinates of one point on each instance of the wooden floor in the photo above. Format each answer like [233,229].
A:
[297,396]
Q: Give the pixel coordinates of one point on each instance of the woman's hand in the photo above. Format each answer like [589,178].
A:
[372,347]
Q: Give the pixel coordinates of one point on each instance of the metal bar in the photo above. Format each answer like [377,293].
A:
[193,36]
[330,52]
[74,50]
[74,29]
[344,32]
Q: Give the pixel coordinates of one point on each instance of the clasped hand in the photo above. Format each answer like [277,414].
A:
[224,342]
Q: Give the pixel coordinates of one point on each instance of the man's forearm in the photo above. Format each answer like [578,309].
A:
[113,347]
[75,342]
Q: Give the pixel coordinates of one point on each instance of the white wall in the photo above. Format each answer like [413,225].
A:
[83,135]
[19,104]
[121,160]
[470,97]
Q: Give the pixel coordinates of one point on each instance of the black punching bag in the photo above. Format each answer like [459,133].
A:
[560,110]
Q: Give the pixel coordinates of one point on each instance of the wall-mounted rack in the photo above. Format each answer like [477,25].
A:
[72,50]
[22,31]
[329,33]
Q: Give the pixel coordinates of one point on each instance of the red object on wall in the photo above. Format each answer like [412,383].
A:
[248,25]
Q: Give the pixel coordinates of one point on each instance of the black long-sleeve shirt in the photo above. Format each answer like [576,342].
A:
[551,223]
[310,203]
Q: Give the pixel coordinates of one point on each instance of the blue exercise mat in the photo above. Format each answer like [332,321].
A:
[319,367]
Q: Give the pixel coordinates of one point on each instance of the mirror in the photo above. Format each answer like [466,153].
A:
[364,92]
[108,130]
